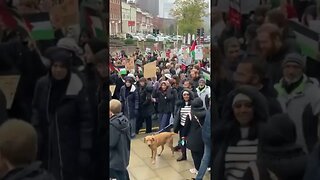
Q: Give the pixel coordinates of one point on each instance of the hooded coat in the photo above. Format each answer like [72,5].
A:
[228,131]
[119,144]
[193,127]
[146,107]
[64,132]
[130,103]
[32,171]
[279,153]
[164,99]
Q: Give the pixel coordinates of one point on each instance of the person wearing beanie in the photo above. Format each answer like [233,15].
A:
[63,119]
[146,108]
[18,152]
[279,155]
[129,98]
[299,96]
[192,132]
[204,92]
[183,108]
[244,110]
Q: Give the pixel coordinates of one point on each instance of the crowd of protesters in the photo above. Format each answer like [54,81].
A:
[267,97]
[176,97]
[61,92]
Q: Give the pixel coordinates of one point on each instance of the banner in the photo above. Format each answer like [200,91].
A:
[8,85]
[150,69]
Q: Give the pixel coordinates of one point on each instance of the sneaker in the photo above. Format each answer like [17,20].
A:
[193,171]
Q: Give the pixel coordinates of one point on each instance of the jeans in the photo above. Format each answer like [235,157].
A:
[204,162]
[164,119]
[119,175]
[148,121]
[133,127]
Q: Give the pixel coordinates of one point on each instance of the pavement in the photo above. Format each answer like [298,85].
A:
[166,167]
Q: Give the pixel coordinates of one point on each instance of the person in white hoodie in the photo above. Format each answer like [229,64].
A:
[204,92]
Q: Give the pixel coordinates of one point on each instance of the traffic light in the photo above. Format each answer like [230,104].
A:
[198,32]
[202,32]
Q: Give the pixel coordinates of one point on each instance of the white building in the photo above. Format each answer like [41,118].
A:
[128,18]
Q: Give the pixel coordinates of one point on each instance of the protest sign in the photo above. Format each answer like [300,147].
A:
[65,14]
[150,69]
[130,63]
[112,88]
[8,84]
[198,52]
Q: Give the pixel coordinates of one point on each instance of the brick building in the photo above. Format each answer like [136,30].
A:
[115,17]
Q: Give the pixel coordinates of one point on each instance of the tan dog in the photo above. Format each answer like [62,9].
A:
[154,141]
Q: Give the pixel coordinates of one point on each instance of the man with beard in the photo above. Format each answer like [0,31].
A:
[252,72]
[273,50]
[299,96]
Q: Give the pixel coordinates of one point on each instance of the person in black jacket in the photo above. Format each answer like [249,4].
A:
[129,98]
[146,107]
[18,142]
[164,97]
[279,154]
[183,108]
[62,117]
[193,132]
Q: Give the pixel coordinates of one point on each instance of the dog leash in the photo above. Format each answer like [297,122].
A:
[158,132]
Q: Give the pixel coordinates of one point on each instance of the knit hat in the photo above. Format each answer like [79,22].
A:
[70,44]
[197,105]
[241,97]
[202,79]
[60,55]
[295,58]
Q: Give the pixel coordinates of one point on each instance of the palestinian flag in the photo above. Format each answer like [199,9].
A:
[12,19]
[41,27]
[192,49]
[112,68]
[94,22]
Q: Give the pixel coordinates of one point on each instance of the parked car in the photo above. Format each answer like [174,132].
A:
[149,36]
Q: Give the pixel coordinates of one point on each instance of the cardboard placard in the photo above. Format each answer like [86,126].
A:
[65,14]
[8,85]
[130,64]
[150,69]
[112,88]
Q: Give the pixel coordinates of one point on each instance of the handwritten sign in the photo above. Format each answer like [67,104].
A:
[65,14]
[8,84]
[150,69]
